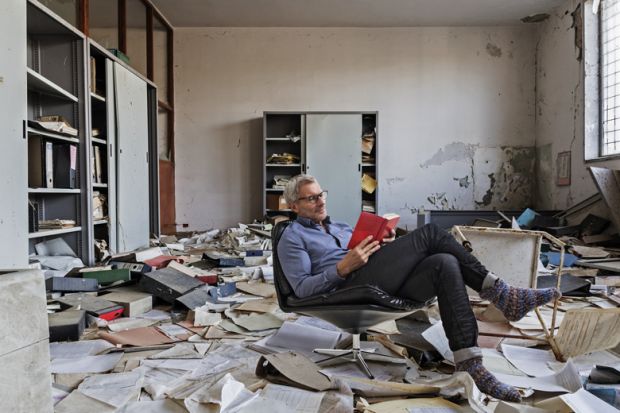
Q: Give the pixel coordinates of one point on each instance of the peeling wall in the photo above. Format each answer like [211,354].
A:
[456,112]
[560,108]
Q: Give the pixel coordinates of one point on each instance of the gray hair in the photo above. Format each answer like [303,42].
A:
[291,192]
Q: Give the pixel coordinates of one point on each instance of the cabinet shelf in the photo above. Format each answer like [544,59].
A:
[279,165]
[33,131]
[97,97]
[99,141]
[100,222]
[368,164]
[99,185]
[52,232]
[41,84]
[53,191]
[283,140]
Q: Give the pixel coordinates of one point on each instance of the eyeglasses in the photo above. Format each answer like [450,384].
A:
[313,198]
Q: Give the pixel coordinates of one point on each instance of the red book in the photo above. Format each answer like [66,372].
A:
[375,225]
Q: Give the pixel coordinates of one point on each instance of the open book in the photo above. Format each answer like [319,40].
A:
[375,225]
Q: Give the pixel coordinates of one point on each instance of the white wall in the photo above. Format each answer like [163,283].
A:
[560,111]
[456,112]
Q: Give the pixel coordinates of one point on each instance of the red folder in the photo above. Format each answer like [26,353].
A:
[370,224]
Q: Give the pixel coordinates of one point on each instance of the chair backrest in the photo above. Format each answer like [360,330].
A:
[283,287]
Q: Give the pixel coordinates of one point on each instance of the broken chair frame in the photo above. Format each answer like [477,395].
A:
[549,333]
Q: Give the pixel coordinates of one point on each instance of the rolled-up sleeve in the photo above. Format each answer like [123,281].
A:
[297,268]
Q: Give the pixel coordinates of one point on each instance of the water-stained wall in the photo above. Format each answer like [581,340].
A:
[456,112]
[561,58]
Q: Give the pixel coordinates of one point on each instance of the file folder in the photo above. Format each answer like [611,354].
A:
[40,163]
[65,165]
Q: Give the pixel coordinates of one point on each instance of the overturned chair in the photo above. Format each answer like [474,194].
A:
[353,309]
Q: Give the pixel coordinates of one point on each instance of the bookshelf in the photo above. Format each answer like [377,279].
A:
[283,133]
[102,133]
[329,146]
[55,158]
[75,155]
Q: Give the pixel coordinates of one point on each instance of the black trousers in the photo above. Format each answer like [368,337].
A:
[424,264]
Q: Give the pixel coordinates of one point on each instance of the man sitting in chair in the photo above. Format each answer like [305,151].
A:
[423,264]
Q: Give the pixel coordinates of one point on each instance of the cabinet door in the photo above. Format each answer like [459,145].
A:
[13,156]
[111,154]
[333,156]
[132,174]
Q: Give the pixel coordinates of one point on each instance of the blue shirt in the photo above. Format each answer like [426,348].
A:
[309,253]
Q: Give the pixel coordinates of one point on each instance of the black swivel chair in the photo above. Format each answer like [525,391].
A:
[352,309]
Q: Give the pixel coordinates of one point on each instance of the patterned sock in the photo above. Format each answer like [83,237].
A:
[486,382]
[515,302]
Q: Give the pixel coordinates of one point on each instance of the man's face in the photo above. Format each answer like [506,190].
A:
[315,211]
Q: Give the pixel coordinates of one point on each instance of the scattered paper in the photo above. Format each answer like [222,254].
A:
[258,288]
[495,362]
[533,362]
[582,401]
[566,380]
[78,349]
[588,330]
[113,389]
[145,336]
[258,322]
[297,400]
[88,364]
[436,336]
[295,336]
[421,405]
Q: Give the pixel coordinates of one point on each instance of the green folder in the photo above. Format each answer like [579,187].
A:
[108,276]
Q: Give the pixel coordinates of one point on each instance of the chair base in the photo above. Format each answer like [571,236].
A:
[356,355]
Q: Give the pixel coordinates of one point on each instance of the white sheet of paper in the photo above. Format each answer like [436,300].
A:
[437,337]
[495,362]
[298,400]
[533,362]
[504,407]
[172,330]
[566,380]
[299,337]
[78,349]
[114,389]
[582,401]
[203,317]
[127,323]
[88,364]
[305,320]
[175,364]
[154,406]
[157,315]
[432,410]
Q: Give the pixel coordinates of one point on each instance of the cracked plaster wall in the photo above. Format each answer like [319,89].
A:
[560,108]
[456,112]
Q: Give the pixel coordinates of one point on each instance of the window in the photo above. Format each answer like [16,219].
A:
[610,77]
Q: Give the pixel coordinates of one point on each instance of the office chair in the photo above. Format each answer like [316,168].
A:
[353,309]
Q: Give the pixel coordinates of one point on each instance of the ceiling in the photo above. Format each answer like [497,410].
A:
[350,13]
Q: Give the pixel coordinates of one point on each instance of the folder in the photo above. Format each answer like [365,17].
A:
[97,171]
[95,306]
[40,163]
[108,276]
[134,302]
[168,284]
[65,165]
[70,284]
[66,325]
